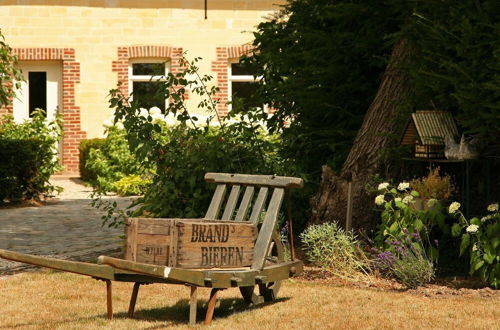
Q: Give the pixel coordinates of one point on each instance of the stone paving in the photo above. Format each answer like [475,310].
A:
[67,227]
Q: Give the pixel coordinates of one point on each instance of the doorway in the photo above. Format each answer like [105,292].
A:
[41,89]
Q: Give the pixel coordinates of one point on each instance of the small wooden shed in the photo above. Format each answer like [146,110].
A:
[427,130]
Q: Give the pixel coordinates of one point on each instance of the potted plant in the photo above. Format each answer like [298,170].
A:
[432,189]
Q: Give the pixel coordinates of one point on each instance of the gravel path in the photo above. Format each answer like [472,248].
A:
[67,227]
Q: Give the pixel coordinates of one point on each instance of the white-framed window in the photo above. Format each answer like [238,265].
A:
[145,80]
[242,84]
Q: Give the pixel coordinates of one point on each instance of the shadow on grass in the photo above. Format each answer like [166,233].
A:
[179,313]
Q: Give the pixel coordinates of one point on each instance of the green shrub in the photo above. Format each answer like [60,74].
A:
[19,168]
[413,271]
[186,154]
[132,185]
[85,146]
[183,152]
[400,217]
[9,72]
[481,238]
[29,157]
[111,160]
[330,247]
[405,259]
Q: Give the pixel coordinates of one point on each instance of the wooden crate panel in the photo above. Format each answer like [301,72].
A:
[215,245]
[149,240]
[190,243]
[154,227]
[153,253]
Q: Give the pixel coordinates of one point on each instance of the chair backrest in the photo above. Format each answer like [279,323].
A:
[250,205]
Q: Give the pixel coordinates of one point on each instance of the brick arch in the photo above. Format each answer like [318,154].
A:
[70,111]
[126,53]
[220,67]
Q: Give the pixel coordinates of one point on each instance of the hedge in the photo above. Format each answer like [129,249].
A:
[86,173]
[21,174]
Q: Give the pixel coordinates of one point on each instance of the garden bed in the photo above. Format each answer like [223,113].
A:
[441,288]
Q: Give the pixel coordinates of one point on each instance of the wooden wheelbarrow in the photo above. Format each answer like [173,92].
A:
[232,246]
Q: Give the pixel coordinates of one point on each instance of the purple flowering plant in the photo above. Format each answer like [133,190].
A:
[405,260]
[402,220]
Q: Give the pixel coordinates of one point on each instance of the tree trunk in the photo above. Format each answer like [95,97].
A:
[382,126]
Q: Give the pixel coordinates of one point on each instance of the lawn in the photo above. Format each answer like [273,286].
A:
[53,300]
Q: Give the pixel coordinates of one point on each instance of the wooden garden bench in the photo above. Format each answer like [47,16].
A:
[197,254]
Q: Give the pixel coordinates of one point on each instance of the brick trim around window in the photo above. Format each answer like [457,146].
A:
[125,54]
[71,113]
[220,67]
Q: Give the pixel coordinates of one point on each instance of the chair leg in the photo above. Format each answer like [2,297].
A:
[133,299]
[109,299]
[211,306]
[193,300]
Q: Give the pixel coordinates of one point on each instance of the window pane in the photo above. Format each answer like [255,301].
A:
[240,69]
[245,91]
[37,82]
[148,94]
[148,69]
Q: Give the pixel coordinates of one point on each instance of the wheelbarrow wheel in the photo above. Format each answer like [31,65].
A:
[267,291]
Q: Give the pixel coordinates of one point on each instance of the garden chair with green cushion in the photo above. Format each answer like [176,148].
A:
[263,194]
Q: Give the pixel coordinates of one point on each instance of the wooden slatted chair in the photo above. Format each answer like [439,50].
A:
[259,205]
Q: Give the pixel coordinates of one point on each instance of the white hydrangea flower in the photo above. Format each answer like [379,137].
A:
[119,125]
[154,111]
[431,202]
[107,123]
[408,199]
[159,116]
[263,125]
[244,118]
[397,199]
[454,207]
[403,186]
[171,121]
[493,207]
[383,185]
[472,228]
[143,112]
[486,218]
[231,121]
[474,247]
[53,133]
[379,200]
[158,120]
